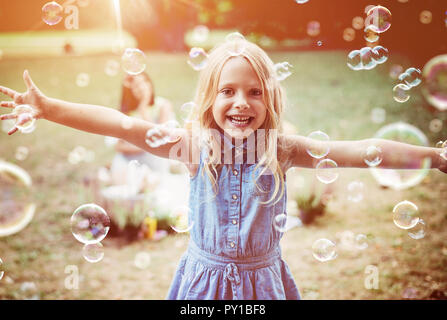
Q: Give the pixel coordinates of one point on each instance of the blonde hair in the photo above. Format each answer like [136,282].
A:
[274,100]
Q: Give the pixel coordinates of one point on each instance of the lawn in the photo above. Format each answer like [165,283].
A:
[323,94]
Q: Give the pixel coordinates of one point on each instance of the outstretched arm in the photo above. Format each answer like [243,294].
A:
[394,154]
[85,117]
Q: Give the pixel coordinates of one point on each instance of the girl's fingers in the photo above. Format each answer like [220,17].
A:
[7,104]
[13,130]
[27,78]
[8,116]
[9,92]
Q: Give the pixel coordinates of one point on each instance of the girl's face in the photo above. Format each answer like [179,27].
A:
[239,107]
[140,87]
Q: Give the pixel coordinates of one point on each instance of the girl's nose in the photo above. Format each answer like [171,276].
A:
[241,101]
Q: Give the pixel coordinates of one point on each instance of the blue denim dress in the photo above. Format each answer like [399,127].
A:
[233,251]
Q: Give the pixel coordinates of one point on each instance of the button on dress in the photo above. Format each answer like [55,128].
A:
[233,251]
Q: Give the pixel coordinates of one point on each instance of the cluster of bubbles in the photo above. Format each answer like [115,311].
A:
[318,148]
[412,77]
[90,225]
[415,169]
[161,134]
[367,58]
[198,58]
[406,216]
[282,70]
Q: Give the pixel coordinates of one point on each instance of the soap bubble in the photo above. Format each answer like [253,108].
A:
[29,291]
[82,79]
[198,58]
[414,169]
[2,272]
[282,70]
[370,35]
[21,153]
[16,203]
[180,219]
[301,1]
[395,71]
[142,260]
[425,17]
[52,13]
[405,215]
[324,250]
[112,68]
[186,110]
[354,60]
[435,85]
[93,252]
[355,191]
[237,43]
[380,54]
[280,222]
[319,147]
[200,33]
[348,34]
[90,223]
[400,93]
[435,125]
[418,231]
[367,58]
[378,19]
[378,115]
[133,61]
[412,77]
[25,112]
[361,242]
[358,23]
[373,156]
[313,28]
[327,171]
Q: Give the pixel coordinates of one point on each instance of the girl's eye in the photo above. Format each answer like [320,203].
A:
[227,91]
[256,92]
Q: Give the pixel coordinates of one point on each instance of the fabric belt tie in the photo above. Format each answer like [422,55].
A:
[231,273]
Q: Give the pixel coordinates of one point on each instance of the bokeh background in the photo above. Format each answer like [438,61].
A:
[323,94]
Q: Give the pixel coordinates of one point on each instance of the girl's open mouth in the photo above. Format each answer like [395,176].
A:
[239,120]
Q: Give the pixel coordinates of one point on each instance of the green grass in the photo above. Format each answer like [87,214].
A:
[323,94]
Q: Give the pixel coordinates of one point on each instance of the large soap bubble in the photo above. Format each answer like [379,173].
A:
[434,89]
[90,223]
[416,169]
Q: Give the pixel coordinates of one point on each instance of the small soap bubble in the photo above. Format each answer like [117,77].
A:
[319,43]
[412,77]
[180,221]
[380,54]
[379,18]
[112,68]
[24,114]
[313,28]
[21,153]
[361,242]
[142,260]
[370,35]
[186,110]
[280,222]
[395,71]
[82,79]
[326,171]
[401,93]
[200,33]
[29,291]
[405,215]
[198,58]
[2,271]
[93,252]
[237,43]
[52,13]
[324,250]
[318,147]
[439,144]
[425,17]
[435,125]
[301,1]
[133,61]
[348,34]
[90,223]
[418,231]
[378,115]
[355,191]
[367,58]
[358,23]
[354,60]
[282,70]
[373,156]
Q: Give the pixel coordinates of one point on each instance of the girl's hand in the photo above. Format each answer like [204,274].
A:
[33,97]
[443,160]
